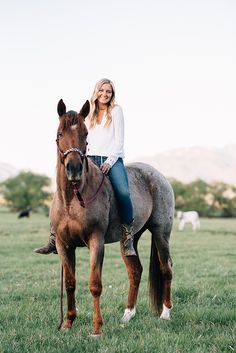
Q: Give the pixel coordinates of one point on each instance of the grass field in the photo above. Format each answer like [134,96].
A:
[204,294]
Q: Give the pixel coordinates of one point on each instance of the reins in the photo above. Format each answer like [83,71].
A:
[84,203]
[61,300]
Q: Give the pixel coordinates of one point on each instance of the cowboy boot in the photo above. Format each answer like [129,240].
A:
[127,247]
[51,246]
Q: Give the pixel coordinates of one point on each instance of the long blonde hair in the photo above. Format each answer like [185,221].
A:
[92,117]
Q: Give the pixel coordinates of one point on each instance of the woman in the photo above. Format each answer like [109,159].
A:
[105,124]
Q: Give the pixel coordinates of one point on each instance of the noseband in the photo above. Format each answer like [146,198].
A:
[73,149]
[70,150]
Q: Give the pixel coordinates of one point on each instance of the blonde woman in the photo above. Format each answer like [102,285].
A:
[105,124]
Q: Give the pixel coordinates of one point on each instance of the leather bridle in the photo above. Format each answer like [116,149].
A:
[70,150]
[75,184]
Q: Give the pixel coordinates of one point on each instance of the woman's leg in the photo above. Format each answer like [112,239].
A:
[119,180]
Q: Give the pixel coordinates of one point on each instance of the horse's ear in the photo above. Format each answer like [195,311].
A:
[61,108]
[85,109]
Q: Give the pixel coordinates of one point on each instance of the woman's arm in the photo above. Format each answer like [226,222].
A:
[117,150]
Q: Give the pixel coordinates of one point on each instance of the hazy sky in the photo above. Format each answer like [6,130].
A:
[172,62]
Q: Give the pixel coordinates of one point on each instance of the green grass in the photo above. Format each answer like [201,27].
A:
[204,290]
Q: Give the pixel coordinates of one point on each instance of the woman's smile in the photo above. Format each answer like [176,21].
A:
[105,93]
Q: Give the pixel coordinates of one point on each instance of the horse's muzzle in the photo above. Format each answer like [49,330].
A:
[73,170]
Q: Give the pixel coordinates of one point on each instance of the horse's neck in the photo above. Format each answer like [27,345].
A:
[64,189]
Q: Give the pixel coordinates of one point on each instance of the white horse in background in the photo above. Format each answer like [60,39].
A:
[191,217]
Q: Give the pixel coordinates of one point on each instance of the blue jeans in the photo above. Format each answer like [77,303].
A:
[119,181]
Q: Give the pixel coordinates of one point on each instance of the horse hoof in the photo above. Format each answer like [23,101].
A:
[165,315]
[67,325]
[65,329]
[128,315]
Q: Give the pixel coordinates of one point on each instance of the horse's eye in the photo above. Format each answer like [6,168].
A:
[59,134]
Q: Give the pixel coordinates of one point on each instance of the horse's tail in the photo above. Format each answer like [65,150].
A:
[156,281]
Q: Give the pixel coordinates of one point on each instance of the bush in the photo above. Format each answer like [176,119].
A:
[26,191]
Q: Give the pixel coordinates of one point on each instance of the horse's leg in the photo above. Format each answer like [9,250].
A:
[68,261]
[95,281]
[198,224]
[181,225]
[165,267]
[160,274]
[134,269]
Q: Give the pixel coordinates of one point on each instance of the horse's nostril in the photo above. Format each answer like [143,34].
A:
[73,168]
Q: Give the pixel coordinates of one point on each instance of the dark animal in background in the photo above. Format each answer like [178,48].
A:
[24,213]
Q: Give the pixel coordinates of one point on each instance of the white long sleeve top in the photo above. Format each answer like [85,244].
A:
[107,141]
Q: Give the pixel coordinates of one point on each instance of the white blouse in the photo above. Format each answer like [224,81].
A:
[107,141]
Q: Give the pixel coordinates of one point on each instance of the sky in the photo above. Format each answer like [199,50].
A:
[172,63]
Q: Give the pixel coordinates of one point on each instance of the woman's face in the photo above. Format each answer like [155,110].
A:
[105,93]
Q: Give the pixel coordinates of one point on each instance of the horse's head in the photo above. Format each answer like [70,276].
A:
[71,139]
[179,215]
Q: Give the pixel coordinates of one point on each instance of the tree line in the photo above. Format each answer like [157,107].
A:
[209,200]
[32,191]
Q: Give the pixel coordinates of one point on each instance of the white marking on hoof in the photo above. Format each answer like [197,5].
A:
[65,329]
[165,315]
[96,336]
[128,315]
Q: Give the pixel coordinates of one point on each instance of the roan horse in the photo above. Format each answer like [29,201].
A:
[84,213]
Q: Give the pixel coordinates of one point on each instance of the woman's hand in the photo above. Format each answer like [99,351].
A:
[105,167]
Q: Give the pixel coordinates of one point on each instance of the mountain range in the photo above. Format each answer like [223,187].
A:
[210,164]
[7,171]
[184,164]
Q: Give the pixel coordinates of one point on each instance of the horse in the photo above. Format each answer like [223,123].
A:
[84,213]
[191,217]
